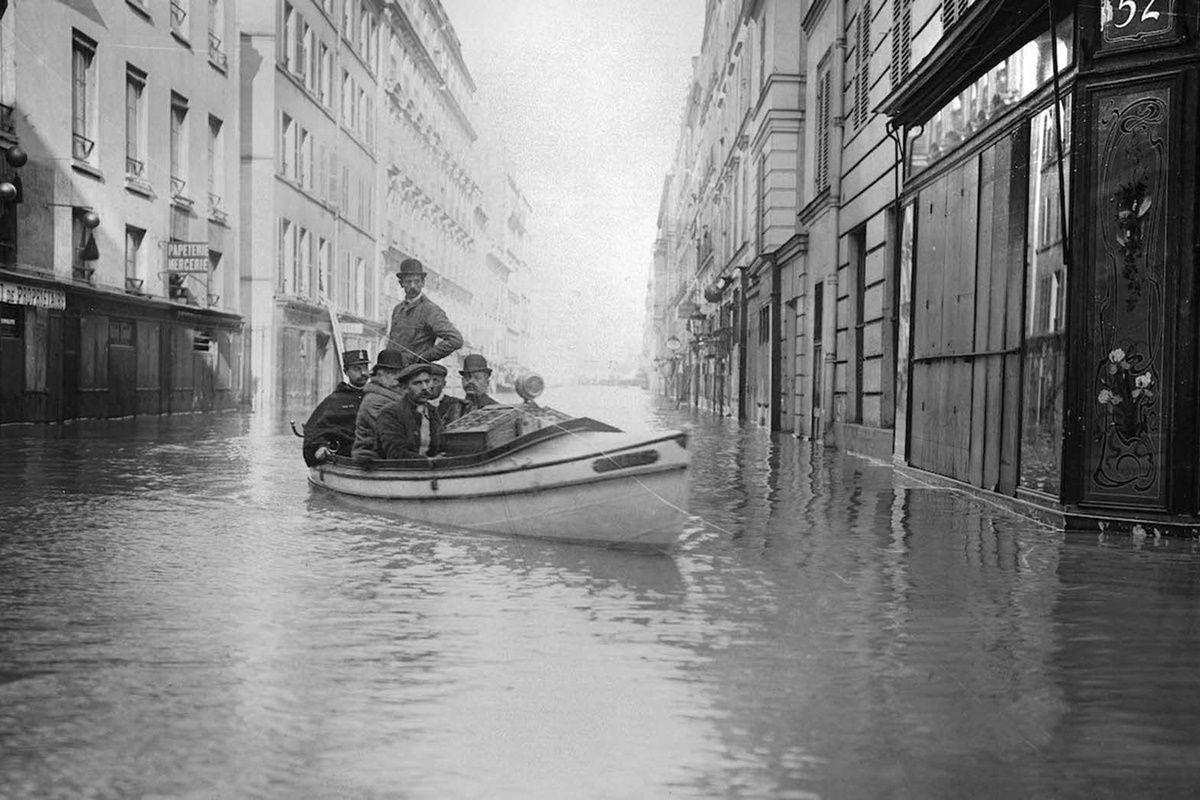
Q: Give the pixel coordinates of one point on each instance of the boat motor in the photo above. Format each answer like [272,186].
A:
[529,385]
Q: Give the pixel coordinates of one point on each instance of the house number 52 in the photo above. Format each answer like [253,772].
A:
[1130,7]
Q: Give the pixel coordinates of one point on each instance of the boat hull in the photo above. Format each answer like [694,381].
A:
[602,488]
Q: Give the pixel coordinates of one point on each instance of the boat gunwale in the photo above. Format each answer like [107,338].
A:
[442,497]
[456,466]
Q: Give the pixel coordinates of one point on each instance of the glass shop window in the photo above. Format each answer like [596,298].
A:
[987,99]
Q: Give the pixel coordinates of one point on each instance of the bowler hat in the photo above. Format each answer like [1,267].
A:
[388,359]
[410,266]
[475,363]
[412,370]
[354,358]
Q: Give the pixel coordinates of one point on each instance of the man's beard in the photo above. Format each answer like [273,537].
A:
[358,381]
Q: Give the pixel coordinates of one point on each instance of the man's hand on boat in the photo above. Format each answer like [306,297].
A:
[323,453]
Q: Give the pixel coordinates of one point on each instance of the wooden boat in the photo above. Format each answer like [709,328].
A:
[529,470]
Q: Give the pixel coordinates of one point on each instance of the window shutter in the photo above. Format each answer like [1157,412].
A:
[902,40]
[863,87]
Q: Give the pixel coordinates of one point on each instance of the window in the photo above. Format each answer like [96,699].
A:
[304,262]
[287,256]
[287,53]
[135,268]
[135,123]
[348,19]
[216,32]
[83,99]
[824,123]
[305,158]
[364,33]
[347,98]
[213,279]
[323,266]
[287,146]
[360,286]
[306,44]
[179,145]
[345,282]
[83,250]
[180,25]
[764,325]
[325,76]
[216,168]
[762,52]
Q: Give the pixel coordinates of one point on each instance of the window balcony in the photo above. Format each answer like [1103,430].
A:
[81,146]
[134,285]
[134,169]
[178,17]
[7,122]
[216,55]
[83,274]
[215,210]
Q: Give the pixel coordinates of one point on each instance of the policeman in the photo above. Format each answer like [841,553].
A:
[330,429]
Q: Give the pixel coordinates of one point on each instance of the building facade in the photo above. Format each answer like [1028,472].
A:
[119,274]
[983,282]
[309,97]
[727,239]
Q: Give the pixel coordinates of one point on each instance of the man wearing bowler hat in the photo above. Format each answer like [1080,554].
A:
[476,376]
[412,428]
[383,390]
[420,328]
[330,429]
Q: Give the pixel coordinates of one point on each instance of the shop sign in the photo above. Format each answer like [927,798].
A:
[352,329]
[19,295]
[188,257]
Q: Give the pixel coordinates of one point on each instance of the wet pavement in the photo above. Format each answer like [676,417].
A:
[181,617]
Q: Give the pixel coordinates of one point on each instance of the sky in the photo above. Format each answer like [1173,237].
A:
[587,96]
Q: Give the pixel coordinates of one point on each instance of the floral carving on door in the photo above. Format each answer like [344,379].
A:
[1126,446]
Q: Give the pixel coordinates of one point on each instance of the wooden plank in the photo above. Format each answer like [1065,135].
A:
[997,295]
[961,389]
[983,282]
[1018,208]
[918,447]
[952,270]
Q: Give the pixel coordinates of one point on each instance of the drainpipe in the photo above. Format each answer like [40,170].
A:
[741,333]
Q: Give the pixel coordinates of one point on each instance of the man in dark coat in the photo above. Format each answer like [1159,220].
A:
[476,376]
[383,390]
[410,428]
[420,328]
[330,429]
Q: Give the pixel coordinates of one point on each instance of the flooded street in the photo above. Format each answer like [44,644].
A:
[182,617]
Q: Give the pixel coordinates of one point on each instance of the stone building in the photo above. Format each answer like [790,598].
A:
[727,240]
[119,259]
[309,150]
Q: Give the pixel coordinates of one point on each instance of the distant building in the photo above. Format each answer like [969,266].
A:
[309,94]
[119,257]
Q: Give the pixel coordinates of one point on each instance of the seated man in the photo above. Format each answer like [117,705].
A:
[434,397]
[408,428]
[330,429]
[476,376]
[383,390]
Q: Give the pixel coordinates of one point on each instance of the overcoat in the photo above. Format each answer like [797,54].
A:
[332,423]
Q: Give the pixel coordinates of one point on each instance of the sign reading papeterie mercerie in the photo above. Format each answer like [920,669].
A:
[188,257]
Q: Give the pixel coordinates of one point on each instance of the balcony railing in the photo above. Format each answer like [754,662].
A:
[178,15]
[83,273]
[215,211]
[81,146]
[134,285]
[215,53]
[7,123]
[134,168]
[178,185]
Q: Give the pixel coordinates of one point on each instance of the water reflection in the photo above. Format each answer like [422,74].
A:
[181,617]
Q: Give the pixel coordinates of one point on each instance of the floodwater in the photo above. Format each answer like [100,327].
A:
[182,617]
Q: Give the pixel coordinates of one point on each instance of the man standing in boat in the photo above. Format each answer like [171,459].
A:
[383,389]
[412,428]
[476,378]
[420,330]
[330,429]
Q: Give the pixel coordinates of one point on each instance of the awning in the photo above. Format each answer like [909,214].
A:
[991,30]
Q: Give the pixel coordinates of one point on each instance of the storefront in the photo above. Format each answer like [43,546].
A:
[1047,338]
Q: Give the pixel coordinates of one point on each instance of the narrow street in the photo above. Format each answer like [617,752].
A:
[182,616]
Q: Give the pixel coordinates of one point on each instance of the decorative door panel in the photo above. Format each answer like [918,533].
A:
[1128,360]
